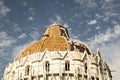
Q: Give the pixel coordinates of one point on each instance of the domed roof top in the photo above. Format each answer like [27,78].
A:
[56,37]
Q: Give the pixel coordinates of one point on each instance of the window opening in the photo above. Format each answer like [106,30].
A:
[67,66]
[27,70]
[47,66]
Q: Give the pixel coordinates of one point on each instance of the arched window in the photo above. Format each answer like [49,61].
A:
[47,66]
[67,66]
[27,70]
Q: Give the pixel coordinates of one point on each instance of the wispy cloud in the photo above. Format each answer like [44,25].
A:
[92,22]
[57,18]
[16,27]
[101,38]
[6,40]
[108,0]
[19,48]
[111,53]
[30,18]
[25,3]
[31,13]
[34,35]
[87,31]
[22,36]
[98,28]
[108,43]
[3,10]
[66,25]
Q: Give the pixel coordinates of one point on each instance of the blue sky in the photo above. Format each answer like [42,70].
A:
[95,22]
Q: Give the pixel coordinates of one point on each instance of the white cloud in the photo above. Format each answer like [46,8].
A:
[16,27]
[110,51]
[87,31]
[1,52]
[6,40]
[18,49]
[34,35]
[106,19]
[92,22]
[98,16]
[25,3]
[3,10]
[104,37]
[31,9]
[30,18]
[111,14]
[66,25]
[108,0]
[98,27]
[22,36]
[31,14]
[59,18]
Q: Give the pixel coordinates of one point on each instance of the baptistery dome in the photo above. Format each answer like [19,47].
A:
[57,57]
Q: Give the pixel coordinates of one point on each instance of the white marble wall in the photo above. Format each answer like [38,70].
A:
[56,59]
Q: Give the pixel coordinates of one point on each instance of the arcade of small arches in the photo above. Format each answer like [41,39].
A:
[62,76]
